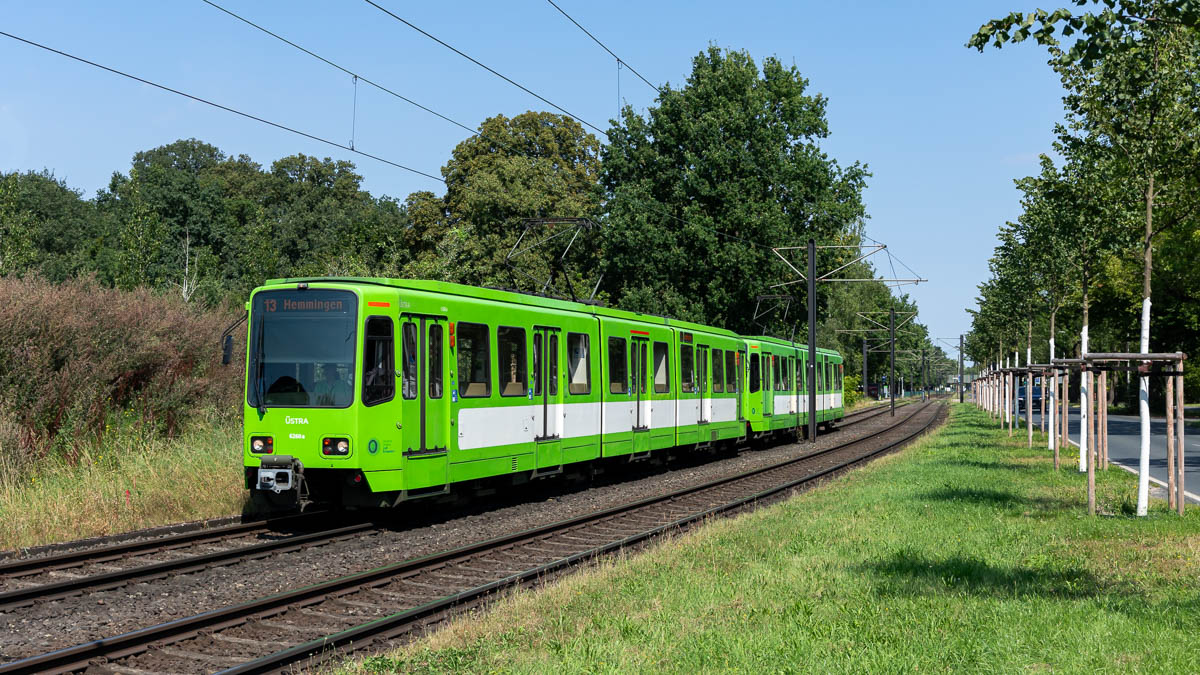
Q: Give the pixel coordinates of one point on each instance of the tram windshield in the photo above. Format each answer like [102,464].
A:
[302,349]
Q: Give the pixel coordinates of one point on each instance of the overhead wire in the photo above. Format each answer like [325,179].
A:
[345,70]
[605,47]
[486,67]
[220,106]
[431,111]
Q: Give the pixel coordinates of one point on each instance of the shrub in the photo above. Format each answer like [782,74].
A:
[851,390]
[76,356]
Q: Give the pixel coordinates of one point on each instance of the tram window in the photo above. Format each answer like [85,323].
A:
[755,381]
[579,363]
[687,375]
[820,377]
[379,379]
[791,380]
[802,377]
[662,371]
[537,364]
[718,373]
[731,371]
[409,386]
[510,347]
[776,369]
[640,364]
[618,366]
[435,361]
[474,371]
[552,359]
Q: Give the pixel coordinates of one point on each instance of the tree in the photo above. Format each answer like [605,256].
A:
[716,173]
[534,165]
[1131,81]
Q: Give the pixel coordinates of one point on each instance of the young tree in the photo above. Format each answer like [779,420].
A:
[1131,81]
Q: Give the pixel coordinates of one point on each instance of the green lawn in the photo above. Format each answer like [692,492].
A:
[964,553]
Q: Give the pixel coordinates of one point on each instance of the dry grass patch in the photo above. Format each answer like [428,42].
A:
[129,481]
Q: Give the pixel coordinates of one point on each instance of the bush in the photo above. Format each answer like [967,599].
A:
[75,357]
[851,392]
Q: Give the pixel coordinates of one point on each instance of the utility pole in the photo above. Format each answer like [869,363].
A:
[922,374]
[892,359]
[812,340]
[960,369]
[864,378]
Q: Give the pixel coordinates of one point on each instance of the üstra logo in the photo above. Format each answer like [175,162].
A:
[295,420]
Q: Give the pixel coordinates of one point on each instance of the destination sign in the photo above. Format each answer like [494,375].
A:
[308,301]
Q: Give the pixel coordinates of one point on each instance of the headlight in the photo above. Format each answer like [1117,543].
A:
[262,444]
[336,447]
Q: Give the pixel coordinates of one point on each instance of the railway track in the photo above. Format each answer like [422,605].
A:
[44,579]
[300,627]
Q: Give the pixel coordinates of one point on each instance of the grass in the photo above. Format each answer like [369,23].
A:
[965,552]
[130,481]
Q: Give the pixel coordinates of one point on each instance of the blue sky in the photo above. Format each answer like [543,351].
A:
[944,129]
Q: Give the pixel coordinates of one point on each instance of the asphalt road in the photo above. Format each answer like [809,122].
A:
[1124,447]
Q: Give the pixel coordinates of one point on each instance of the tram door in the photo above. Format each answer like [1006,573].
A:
[702,384]
[794,386]
[425,401]
[640,369]
[547,395]
[741,382]
[768,384]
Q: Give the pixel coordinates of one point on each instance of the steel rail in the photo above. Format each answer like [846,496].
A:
[58,590]
[132,643]
[26,566]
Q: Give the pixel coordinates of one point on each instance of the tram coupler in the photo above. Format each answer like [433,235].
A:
[278,473]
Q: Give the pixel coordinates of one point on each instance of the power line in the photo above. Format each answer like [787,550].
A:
[345,70]
[222,107]
[491,70]
[605,47]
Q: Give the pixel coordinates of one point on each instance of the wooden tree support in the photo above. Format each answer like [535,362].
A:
[1154,364]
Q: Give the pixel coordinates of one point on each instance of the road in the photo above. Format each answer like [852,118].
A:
[1124,443]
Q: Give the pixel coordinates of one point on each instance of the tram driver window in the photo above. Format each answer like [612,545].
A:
[474,373]
[513,364]
[579,363]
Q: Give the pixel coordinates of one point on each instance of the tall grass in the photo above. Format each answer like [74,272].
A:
[133,478]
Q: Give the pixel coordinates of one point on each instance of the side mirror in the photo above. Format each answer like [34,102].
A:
[227,350]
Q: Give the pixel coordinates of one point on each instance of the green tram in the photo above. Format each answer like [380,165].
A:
[370,392]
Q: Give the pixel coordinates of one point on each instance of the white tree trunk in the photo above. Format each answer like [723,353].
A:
[1083,405]
[1143,494]
[1053,399]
